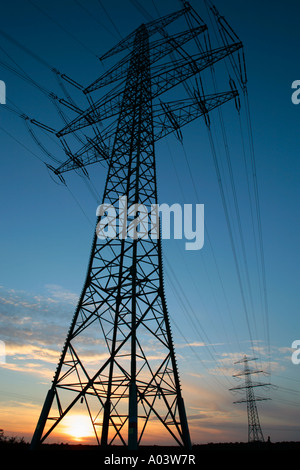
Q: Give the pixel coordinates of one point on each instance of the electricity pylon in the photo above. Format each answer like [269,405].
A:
[254,429]
[122,309]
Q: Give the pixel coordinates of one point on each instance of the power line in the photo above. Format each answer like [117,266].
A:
[21,143]
[240,72]
[110,19]
[208,238]
[85,46]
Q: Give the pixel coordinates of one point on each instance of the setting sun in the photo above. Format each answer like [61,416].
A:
[79,427]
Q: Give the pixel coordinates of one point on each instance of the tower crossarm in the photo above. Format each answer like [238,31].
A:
[244,387]
[167,118]
[172,116]
[251,400]
[104,108]
[159,49]
[164,78]
[93,151]
[170,75]
[248,372]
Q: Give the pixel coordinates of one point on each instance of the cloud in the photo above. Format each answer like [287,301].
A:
[61,295]
[199,416]
[33,328]
[194,344]
[20,310]
[30,352]
[29,368]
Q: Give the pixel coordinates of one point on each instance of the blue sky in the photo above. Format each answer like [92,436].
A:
[46,228]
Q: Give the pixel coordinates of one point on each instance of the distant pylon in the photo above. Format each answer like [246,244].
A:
[254,429]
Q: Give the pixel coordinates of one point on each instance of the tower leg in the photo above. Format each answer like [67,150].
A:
[104,436]
[184,424]
[42,420]
[133,418]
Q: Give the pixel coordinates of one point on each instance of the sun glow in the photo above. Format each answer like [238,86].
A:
[79,427]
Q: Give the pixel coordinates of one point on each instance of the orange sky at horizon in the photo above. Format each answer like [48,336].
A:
[29,369]
[77,429]
[207,422]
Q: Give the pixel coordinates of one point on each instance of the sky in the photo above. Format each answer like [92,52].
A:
[47,227]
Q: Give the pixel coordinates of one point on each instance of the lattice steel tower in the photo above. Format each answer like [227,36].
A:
[122,309]
[254,429]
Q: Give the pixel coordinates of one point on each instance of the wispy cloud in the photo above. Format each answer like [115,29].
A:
[33,327]
[61,295]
